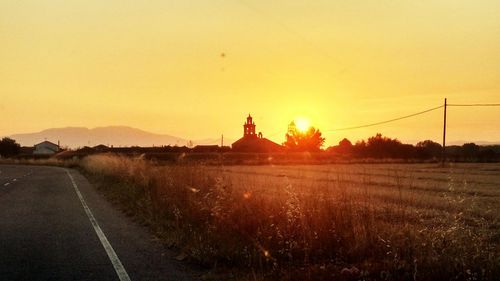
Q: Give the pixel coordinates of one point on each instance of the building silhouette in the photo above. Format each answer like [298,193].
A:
[46,148]
[254,142]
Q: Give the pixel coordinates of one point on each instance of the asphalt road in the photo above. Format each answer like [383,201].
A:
[47,233]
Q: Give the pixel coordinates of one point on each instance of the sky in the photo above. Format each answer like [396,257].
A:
[196,69]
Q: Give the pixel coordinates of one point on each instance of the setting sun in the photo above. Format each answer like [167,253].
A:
[302,124]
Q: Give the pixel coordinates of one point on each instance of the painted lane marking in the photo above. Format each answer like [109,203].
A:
[117,264]
[14,180]
[6,184]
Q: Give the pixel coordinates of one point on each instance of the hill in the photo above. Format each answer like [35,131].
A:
[74,137]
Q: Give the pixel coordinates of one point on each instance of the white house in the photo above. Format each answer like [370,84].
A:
[46,148]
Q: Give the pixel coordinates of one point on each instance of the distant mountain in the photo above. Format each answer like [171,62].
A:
[478,142]
[74,137]
[458,142]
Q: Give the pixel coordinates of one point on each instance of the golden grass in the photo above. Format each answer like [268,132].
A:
[345,222]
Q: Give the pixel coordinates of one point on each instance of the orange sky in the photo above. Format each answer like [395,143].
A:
[157,65]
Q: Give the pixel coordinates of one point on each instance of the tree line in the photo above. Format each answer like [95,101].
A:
[379,147]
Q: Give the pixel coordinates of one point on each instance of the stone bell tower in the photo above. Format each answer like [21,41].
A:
[249,127]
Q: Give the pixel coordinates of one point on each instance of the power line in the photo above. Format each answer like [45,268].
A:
[377,123]
[386,121]
[400,118]
[475,104]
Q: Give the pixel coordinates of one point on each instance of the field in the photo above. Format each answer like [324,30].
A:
[316,222]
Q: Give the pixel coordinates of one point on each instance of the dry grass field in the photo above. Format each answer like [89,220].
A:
[317,222]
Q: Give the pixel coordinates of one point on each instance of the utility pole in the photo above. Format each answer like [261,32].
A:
[222,150]
[443,156]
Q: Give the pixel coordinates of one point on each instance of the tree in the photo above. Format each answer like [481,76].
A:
[345,143]
[379,146]
[428,148]
[309,140]
[345,147]
[470,150]
[360,149]
[9,147]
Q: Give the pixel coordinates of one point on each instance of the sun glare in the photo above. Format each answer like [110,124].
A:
[302,124]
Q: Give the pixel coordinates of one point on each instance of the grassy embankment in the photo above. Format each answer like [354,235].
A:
[371,222]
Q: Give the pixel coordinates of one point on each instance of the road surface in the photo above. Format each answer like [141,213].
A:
[55,226]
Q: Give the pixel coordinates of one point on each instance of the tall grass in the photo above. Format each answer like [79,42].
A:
[294,228]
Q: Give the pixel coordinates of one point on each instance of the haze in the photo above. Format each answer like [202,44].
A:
[195,69]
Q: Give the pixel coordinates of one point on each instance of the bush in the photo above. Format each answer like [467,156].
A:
[9,147]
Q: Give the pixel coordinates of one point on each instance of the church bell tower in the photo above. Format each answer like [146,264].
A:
[249,127]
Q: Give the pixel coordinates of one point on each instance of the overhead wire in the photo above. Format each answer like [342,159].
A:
[386,121]
[474,104]
[377,123]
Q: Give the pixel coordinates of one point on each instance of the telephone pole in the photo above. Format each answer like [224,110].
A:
[443,156]
[222,150]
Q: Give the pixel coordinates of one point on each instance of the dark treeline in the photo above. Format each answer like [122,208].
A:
[380,147]
[377,147]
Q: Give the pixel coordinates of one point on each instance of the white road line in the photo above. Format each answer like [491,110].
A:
[14,180]
[6,184]
[117,264]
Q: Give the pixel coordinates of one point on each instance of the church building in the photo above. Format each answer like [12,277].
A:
[253,142]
